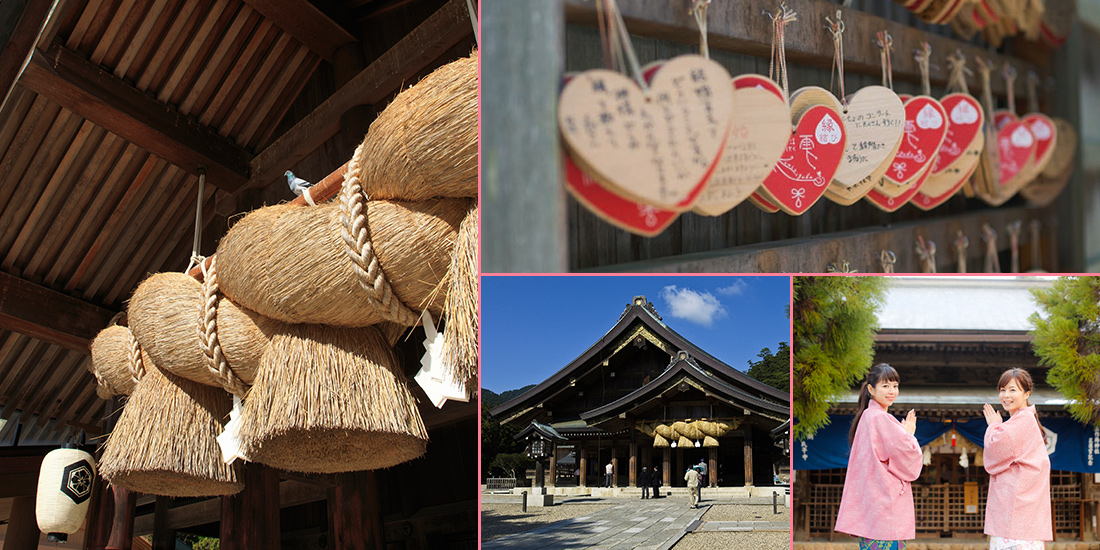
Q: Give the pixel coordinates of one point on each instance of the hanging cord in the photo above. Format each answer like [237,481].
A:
[989,237]
[137,365]
[957,81]
[195,257]
[885,43]
[627,47]
[208,333]
[1014,242]
[844,267]
[961,245]
[1032,92]
[1036,246]
[923,57]
[473,20]
[837,29]
[699,10]
[887,258]
[926,251]
[778,67]
[985,68]
[356,235]
[1009,73]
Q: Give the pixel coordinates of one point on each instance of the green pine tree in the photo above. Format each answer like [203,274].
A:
[1067,339]
[773,369]
[834,333]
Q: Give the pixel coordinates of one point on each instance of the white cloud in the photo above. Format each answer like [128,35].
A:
[738,288]
[684,303]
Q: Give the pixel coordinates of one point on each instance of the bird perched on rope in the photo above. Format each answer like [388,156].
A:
[299,186]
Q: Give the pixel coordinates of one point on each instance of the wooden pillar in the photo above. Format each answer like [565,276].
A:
[712,467]
[551,481]
[100,511]
[666,467]
[633,482]
[527,232]
[163,537]
[540,475]
[583,454]
[22,531]
[250,519]
[356,514]
[748,456]
[614,467]
[122,525]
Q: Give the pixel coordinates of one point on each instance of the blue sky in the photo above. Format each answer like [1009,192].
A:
[533,326]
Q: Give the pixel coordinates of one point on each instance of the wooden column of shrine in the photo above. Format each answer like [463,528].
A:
[712,467]
[551,480]
[582,455]
[748,456]
[666,467]
[633,482]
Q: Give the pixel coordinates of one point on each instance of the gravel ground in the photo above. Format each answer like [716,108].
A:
[498,520]
[734,541]
[746,512]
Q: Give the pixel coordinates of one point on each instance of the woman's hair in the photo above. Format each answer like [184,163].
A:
[1023,379]
[877,374]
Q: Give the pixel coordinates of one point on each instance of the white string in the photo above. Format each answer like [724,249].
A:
[195,257]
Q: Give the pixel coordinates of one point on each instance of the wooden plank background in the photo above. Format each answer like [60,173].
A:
[740,40]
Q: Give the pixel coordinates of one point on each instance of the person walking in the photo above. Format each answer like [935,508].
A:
[610,470]
[643,482]
[655,481]
[702,467]
[692,478]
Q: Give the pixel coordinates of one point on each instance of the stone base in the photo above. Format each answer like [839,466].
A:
[540,500]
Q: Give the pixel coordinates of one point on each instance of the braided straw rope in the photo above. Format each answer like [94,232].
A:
[208,333]
[364,262]
[137,366]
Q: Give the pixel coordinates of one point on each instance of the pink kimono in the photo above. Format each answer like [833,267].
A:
[1018,506]
[878,501]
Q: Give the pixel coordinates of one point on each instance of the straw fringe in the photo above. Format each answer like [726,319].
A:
[460,339]
[111,359]
[164,442]
[289,262]
[424,144]
[330,400]
[165,314]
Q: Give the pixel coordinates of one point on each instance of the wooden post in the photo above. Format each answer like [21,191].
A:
[712,467]
[633,482]
[614,469]
[540,476]
[551,480]
[356,514]
[100,511]
[583,454]
[250,519]
[122,526]
[163,537]
[666,467]
[521,170]
[748,456]
[22,531]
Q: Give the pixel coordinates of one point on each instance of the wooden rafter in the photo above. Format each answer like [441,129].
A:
[306,23]
[49,315]
[20,42]
[442,30]
[85,89]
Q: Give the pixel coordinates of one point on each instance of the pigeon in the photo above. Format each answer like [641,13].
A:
[296,184]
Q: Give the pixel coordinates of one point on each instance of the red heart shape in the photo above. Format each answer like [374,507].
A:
[892,204]
[925,127]
[807,166]
[1016,146]
[966,117]
[635,217]
[1002,117]
[1043,129]
[927,202]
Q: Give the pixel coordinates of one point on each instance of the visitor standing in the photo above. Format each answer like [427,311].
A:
[643,482]
[610,470]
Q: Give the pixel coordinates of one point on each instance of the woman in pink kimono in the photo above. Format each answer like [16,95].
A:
[877,504]
[1017,511]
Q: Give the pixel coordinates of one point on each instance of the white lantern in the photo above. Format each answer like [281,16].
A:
[64,488]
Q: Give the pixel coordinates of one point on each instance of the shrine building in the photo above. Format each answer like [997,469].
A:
[644,396]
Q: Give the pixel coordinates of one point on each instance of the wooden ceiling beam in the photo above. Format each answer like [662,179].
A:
[438,33]
[20,42]
[83,88]
[48,315]
[307,24]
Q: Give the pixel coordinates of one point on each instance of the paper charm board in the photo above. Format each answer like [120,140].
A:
[875,123]
[1046,138]
[961,149]
[926,201]
[758,134]
[657,147]
[809,162]
[1016,147]
[926,126]
[635,217]
[888,203]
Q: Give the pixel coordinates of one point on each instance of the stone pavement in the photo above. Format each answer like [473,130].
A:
[655,524]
